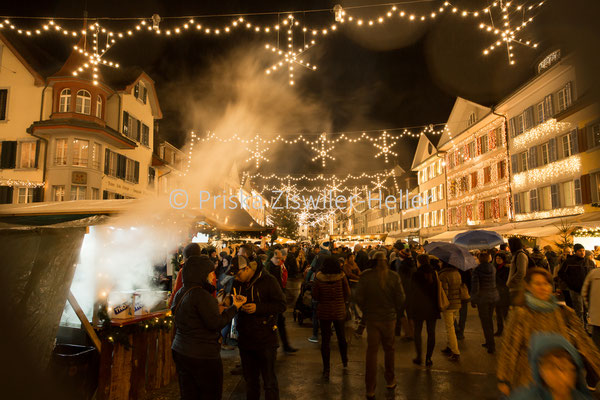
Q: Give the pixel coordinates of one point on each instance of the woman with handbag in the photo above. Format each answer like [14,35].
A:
[540,313]
[485,296]
[423,307]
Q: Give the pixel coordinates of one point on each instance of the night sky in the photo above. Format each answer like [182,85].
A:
[395,75]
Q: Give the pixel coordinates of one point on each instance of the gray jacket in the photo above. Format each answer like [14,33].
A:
[518,269]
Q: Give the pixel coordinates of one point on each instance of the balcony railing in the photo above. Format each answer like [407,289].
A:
[80,162]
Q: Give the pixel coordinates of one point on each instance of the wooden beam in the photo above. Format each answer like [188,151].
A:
[84,321]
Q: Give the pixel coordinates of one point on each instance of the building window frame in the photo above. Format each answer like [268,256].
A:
[83,104]
[64,104]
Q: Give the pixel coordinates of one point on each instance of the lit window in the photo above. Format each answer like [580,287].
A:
[95,194]
[60,154]
[77,192]
[545,154]
[80,152]
[567,145]
[96,155]
[27,159]
[84,102]
[568,194]
[25,195]
[65,101]
[58,193]
[99,107]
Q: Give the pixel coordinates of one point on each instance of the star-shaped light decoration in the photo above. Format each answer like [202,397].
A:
[378,184]
[290,55]
[322,149]
[289,188]
[257,153]
[384,147]
[507,31]
[334,187]
[95,55]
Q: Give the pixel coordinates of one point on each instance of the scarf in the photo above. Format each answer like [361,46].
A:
[540,305]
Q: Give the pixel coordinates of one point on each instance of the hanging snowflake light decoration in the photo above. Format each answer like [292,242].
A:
[385,147]
[322,150]
[256,153]
[289,56]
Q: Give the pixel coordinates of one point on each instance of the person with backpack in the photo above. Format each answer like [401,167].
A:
[539,258]
[196,348]
[573,272]
[517,271]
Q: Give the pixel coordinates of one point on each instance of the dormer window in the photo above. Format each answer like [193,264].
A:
[99,107]
[65,101]
[84,102]
[472,119]
[140,92]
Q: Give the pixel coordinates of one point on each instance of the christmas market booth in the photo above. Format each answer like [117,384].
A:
[86,287]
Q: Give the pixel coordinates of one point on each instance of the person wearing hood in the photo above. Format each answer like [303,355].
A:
[192,249]
[557,368]
[484,295]
[541,313]
[257,327]
[332,291]
[196,348]
[517,271]
[362,259]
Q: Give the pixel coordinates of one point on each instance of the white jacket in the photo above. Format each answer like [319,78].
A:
[590,292]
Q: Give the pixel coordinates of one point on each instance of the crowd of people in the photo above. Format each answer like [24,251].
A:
[546,305]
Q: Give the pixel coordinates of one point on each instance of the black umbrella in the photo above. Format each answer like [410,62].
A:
[452,254]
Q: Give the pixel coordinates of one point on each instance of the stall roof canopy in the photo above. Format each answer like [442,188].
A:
[93,212]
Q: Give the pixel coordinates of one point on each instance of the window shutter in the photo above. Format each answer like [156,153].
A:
[532,161]
[511,127]
[38,194]
[106,161]
[517,201]
[554,195]
[568,95]
[552,150]
[577,183]
[594,182]
[8,156]
[582,139]
[6,194]
[528,118]
[514,164]
[125,123]
[145,94]
[533,201]
[136,172]
[138,130]
[548,108]
[574,144]
[121,166]
[586,189]
[37,153]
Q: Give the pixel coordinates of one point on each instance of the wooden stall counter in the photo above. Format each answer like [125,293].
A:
[128,371]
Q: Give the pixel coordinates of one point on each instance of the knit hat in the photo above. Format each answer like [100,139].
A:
[192,249]
[578,246]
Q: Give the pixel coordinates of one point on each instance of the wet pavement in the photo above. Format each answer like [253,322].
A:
[299,374]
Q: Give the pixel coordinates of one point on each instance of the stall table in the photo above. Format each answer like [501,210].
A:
[127,373]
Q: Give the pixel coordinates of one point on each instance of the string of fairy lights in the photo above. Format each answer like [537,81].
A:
[507,21]
[324,144]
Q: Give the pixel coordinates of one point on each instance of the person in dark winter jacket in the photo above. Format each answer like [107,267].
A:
[423,307]
[290,262]
[484,295]
[461,322]
[573,272]
[196,348]
[557,368]
[257,328]
[405,266]
[361,257]
[380,298]
[451,282]
[503,304]
[332,291]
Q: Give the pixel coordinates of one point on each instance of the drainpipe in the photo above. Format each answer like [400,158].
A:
[508,165]
[46,143]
